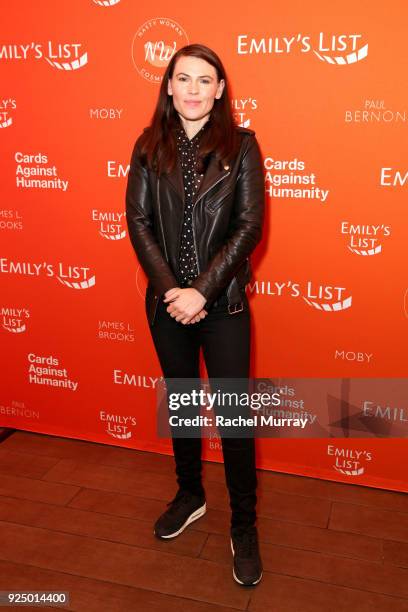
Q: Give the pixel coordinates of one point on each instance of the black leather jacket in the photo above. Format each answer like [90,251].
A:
[228,214]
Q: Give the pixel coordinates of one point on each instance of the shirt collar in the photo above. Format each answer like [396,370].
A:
[180,130]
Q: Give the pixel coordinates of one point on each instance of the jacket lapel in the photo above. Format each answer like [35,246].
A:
[211,177]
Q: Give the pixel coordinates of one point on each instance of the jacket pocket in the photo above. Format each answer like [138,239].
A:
[214,202]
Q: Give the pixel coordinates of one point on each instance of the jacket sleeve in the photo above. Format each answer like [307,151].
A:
[246,229]
[139,217]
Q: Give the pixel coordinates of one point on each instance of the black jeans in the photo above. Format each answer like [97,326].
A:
[225,340]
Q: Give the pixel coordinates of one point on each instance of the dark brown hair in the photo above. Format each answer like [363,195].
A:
[157,143]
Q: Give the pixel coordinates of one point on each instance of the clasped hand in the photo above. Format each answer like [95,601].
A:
[186,305]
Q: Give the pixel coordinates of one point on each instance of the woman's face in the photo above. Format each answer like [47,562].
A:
[194,87]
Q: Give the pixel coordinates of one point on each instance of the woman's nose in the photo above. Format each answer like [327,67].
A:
[193,88]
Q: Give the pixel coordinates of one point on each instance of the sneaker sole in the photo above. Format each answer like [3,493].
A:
[235,577]
[193,517]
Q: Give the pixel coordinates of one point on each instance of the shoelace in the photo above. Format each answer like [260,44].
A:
[247,543]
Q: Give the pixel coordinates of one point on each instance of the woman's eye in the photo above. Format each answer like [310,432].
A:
[205,81]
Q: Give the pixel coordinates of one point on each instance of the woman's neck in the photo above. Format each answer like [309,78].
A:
[193,127]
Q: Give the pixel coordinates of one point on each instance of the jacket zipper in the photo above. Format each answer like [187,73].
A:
[179,237]
[201,196]
[195,244]
[156,297]
[160,219]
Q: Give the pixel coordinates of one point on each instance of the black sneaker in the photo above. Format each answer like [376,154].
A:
[184,509]
[247,568]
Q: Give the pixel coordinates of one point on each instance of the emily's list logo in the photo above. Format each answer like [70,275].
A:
[7,105]
[349,461]
[321,296]
[243,109]
[363,239]
[63,56]
[334,49]
[74,277]
[106,3]
[110,224]
[119,426]
[14,319]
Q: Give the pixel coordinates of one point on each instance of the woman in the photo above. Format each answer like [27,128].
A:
[195,210]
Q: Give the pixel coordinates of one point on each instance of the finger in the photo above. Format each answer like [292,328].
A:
[172,295]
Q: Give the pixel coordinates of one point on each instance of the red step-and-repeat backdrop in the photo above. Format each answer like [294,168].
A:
[324,88]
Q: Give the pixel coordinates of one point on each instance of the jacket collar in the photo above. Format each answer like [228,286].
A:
[211,177]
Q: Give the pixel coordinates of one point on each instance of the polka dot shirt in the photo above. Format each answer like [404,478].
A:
[187,150]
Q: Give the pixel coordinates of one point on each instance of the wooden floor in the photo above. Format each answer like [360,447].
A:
[77,516]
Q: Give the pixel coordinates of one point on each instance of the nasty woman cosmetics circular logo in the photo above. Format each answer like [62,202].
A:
[153,46]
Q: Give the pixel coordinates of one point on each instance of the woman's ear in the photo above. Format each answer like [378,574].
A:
[220,88]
